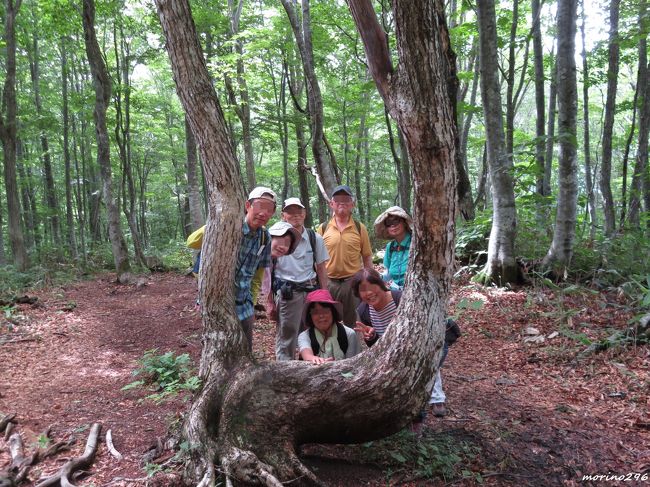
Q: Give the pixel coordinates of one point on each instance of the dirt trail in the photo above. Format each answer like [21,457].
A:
[534,416]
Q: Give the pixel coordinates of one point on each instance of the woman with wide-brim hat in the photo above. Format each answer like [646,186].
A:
[326,339]
[396,225]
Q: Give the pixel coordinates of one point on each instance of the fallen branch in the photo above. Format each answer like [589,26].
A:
[6,420]
[111,448]
[9,429]
[84,461]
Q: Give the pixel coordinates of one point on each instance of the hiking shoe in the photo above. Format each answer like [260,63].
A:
[439,410]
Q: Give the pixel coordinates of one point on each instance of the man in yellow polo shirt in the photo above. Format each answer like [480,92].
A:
[348,245]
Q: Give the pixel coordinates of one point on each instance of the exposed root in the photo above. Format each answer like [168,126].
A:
[84,461]
[244,466]
[209,478]
[9,429]
[111,448]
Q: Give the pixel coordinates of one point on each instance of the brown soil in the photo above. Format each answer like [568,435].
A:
[533,414]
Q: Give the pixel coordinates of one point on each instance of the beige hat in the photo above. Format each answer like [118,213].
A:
[380,228]
[280,229]
[262,192]
[292,202]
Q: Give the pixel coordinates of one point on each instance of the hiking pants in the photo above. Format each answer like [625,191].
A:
[288,327]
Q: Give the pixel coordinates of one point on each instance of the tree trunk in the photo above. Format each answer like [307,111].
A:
[550,130]
[122,101]
[50,192]
[302,34]
[501,266]
[193,192]
[643,89]
[8,136]
[242,108]
[72,241]
[249,418]
[608,126]
[591,197]
[540,106]
[102,85]
[561,251]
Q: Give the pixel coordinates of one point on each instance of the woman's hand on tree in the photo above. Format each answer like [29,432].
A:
[368,331]
[320,360]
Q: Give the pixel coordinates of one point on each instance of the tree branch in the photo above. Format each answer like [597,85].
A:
[374,43]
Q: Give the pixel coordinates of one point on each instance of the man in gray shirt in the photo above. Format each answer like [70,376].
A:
[294,276]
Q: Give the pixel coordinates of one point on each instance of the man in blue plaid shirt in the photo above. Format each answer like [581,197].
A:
[254,253]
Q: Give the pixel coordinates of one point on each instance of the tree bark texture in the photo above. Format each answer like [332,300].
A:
[248,418]
[501,266]
[608,125]
[561,250]
[102,85]
[8,130]
[193,192]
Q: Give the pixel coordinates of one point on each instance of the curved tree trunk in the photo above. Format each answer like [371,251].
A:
[561,251]
[102,85]
[248,418]
[501,266]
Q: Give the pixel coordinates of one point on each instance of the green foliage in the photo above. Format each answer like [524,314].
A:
[168,373]
[472,237]
[427,457]
[13,282]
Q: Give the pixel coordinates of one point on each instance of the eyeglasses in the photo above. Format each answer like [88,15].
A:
[392,222]
[342,200]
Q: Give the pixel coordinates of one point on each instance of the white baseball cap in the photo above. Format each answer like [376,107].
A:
[292,202]
[262,192]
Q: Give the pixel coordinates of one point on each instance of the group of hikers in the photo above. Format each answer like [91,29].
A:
[324,290]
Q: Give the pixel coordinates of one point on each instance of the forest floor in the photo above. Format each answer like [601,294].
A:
[520,413]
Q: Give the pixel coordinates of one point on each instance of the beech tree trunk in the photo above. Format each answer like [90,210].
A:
[70,231]
[640,166]
[242,108]
[8,130]
[247,418]
[586,82]
[48,177]
[561,250]
[193,192]
[540,105]
[501,266]
[608,126]
[102,85]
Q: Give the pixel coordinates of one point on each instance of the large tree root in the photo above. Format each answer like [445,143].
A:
[63,477]
[245,466]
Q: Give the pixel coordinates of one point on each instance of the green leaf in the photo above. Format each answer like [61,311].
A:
[347,375]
